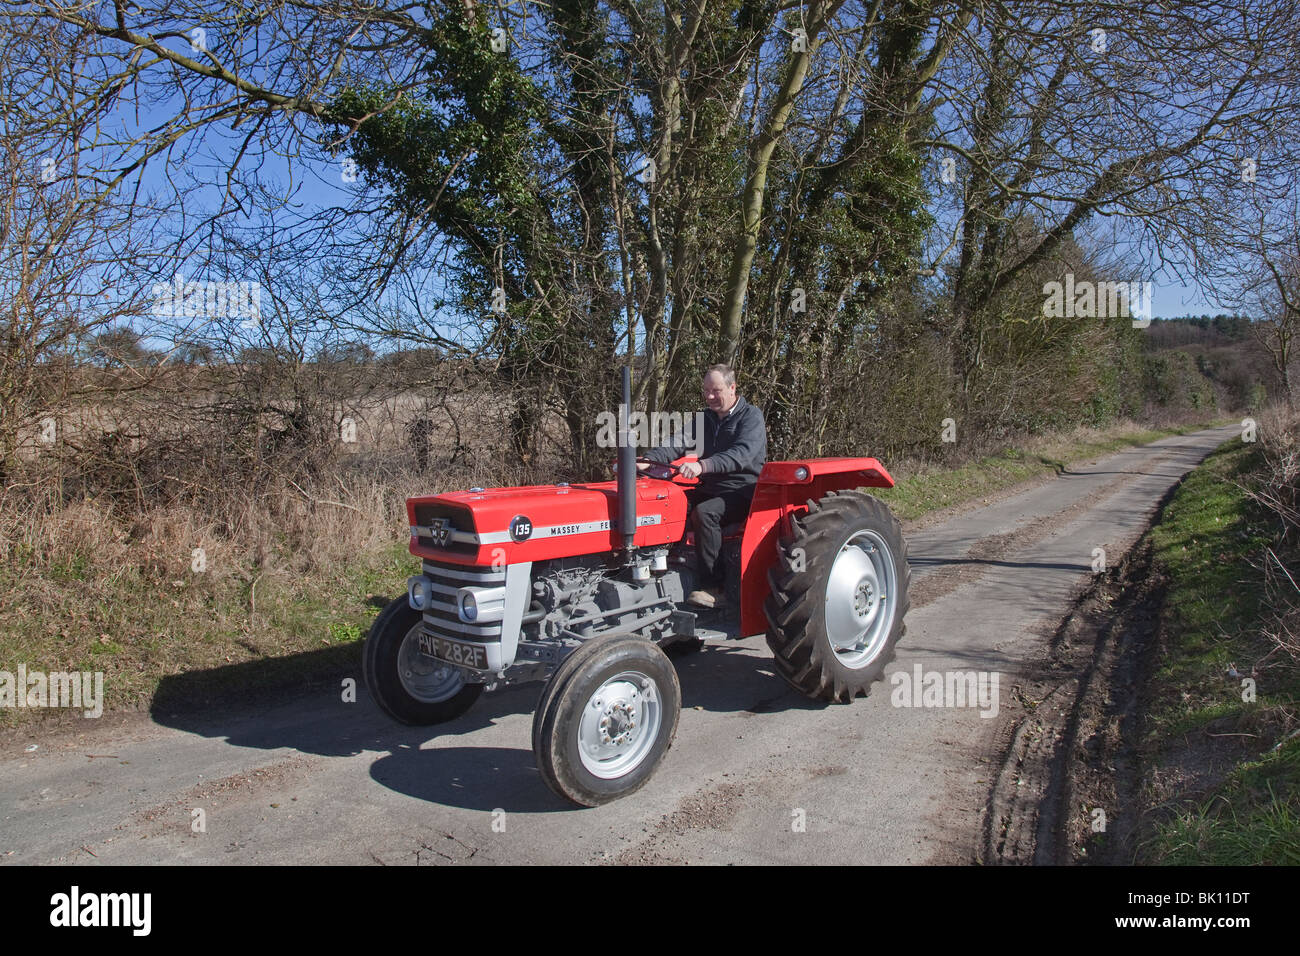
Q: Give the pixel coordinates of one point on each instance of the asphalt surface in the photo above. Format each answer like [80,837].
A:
[757,774]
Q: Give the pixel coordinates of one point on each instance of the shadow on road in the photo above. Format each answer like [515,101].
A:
[922,562]
[471,778]
[263,714]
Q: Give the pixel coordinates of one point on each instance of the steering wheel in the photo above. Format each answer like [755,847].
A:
[659,470]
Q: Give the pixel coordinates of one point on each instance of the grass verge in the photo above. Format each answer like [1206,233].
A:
[1223,764]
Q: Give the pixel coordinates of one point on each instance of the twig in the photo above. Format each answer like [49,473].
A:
[252,596]
[298,486]
[1284,570]
[326,501]
[323,501]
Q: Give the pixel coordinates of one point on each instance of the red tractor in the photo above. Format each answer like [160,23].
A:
[583,585]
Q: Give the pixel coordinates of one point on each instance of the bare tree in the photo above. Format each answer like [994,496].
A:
[1157,117]
[1274,296]
[72,252]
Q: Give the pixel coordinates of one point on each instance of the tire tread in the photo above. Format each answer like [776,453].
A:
[802,655]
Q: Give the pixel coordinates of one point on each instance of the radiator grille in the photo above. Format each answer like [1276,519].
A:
[441,617]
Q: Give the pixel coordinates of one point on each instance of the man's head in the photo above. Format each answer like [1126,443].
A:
[719,389]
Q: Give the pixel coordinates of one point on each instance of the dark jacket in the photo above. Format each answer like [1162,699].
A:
[735,449]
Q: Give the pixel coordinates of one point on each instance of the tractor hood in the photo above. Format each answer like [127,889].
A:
[538,522]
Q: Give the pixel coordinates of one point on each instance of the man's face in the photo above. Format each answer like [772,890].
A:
[718,395]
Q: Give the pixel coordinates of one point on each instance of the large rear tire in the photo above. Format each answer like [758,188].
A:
[838,597]
[606,719]
[409,686]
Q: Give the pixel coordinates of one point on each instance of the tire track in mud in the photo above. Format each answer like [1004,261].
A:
[1067,784]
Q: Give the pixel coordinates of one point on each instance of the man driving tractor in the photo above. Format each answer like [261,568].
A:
[576,585]
[735,449]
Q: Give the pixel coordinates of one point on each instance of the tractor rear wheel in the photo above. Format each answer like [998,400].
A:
[606,719]
[838,594]
[409,686]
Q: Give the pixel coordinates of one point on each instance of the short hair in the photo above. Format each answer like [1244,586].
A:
[726,371]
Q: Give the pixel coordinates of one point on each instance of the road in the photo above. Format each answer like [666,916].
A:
[756,775]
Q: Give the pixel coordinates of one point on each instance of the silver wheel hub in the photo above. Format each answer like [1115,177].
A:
[426,679]
[620,723]
[859,599]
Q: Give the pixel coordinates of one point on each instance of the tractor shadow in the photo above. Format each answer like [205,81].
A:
[724,678]
[470,778]
[311,717]
[251,705]
[734,677]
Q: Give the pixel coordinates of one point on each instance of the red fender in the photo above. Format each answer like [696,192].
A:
[784,489]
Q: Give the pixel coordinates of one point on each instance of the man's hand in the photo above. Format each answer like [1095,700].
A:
[641,465]
[692,469]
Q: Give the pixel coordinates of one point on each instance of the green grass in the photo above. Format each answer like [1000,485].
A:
[1252,819]
[1205,541]
[1212,618]
[214,636]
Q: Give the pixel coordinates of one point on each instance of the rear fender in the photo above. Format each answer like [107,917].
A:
[784,490]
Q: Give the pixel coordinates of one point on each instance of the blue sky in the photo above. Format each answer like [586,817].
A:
[1171,301]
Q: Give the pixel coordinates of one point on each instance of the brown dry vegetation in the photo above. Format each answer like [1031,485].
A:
[1276,490]
[161,534]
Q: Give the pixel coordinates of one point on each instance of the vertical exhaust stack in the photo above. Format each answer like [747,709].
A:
[626,467]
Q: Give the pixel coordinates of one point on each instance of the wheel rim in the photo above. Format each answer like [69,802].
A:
[424,678]
[860,599]
[619,726]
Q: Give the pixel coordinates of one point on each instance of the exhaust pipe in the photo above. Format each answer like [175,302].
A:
[626,467]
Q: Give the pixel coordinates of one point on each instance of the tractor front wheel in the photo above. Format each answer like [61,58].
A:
[409,686]
[838,597]
[606,719]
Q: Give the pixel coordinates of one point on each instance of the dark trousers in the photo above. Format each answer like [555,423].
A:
[711,511]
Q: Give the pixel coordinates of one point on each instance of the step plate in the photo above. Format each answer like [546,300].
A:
[718,625]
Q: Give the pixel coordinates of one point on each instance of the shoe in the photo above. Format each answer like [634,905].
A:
[707,599]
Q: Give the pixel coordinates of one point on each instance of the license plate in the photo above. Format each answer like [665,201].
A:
[454,652]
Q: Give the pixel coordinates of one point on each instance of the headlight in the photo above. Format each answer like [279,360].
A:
[801,473]
[468,605]
[419,591]
[481,605]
